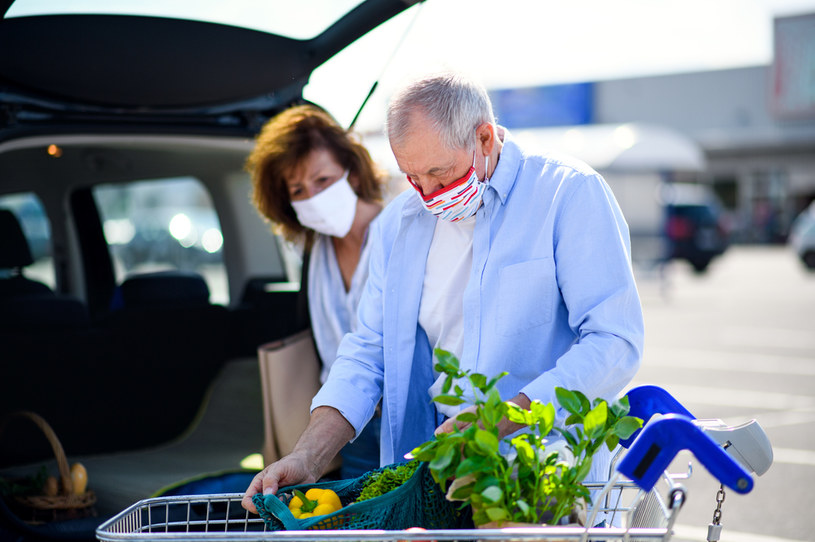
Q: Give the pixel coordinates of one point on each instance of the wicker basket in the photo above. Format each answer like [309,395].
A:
[65,504]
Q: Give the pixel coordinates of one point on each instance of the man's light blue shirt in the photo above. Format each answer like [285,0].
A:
[551,300]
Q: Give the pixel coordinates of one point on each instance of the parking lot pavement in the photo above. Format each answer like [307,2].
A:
[738,343]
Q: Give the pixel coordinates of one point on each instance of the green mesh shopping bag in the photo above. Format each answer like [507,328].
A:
[419,502]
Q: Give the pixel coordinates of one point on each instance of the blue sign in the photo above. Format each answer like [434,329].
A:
[552,105]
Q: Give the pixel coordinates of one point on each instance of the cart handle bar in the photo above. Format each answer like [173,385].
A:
[646,401]
[662,439]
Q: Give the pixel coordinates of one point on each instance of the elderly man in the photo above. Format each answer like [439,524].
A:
[511,260]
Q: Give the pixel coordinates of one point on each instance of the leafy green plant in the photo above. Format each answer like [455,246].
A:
[30,485]
[530,484]
[379,483]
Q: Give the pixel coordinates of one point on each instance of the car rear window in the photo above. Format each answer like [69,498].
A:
[164,224]
[703,214]
[36,227]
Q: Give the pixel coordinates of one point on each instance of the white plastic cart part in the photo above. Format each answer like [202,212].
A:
[746,443]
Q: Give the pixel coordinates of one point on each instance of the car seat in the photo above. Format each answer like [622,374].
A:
[15,255]
[169,337]
[25,304]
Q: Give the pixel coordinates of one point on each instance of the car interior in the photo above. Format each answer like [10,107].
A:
[124,364]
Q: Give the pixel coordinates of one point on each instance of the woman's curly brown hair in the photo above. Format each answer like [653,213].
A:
[284,142]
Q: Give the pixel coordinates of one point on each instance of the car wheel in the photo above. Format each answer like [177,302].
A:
[808,258]
[700,266]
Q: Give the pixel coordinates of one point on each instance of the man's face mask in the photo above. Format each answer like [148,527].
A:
[331,211]
[459,199]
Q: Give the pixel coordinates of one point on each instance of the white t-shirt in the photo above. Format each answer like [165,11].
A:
[449,264]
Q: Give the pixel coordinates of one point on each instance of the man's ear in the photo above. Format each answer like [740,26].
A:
[485,136]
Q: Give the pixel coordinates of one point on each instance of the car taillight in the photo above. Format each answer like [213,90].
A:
[679,228]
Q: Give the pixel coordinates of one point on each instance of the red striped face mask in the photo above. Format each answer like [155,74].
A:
[459,199]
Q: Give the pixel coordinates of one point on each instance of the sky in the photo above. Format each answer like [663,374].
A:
[502,43]
[517,43]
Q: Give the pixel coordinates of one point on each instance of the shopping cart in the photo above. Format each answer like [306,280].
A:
[641,500]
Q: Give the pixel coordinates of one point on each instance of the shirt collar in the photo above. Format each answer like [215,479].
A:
[506,171]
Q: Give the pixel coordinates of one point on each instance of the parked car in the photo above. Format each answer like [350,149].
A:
[695,228]
[802,236]
[135,294]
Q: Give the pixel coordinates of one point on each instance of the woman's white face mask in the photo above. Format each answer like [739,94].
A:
[331,211]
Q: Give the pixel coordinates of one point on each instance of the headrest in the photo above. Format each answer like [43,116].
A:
[165,289]
[14,251]
[42,312]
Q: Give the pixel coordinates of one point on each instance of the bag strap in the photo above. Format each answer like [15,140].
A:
[273,506]
[301,314]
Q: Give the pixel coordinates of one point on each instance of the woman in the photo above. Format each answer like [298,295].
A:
[319,186]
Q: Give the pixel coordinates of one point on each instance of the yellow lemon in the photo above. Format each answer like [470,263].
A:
[79,478]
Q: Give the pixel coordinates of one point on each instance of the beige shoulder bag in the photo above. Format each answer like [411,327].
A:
[290,377]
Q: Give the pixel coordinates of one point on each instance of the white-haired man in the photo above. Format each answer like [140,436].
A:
[511,260]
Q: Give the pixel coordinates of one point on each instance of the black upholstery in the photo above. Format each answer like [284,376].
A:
[14,256]
[42,312]
[14,251]
[165,289]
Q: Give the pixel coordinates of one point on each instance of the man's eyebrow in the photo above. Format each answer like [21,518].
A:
[432,171]
[439,169]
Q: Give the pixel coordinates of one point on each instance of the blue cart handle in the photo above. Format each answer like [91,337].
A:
[646,401]
[662,439]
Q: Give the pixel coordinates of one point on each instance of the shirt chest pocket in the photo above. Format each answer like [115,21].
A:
[526,296]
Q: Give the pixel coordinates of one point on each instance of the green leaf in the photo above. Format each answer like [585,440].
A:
[444,456]
[448,383]
[447,362]
[525,451]
[485,482]
[543,415]
[463,492]
[573,419]
[569,436]
[448,400]
[516,414]
[494,380]
[486,441]
[470,465]
[595,421]
[479,382]
[612,441]
[585,405]
[496,513]
[568,400]
[583,469]
[467,417]
[620,407]
[492,494]
[625,427]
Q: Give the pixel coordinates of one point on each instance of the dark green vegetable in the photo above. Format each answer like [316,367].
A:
[30,485]
[387,480]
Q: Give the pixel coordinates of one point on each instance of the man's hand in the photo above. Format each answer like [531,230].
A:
[327,432]
[505,427]
[288,471]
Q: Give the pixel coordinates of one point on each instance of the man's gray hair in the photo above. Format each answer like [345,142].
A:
[454,104]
